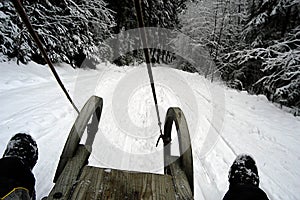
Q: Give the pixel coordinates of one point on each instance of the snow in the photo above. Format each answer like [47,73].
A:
[3,15]
[223,124]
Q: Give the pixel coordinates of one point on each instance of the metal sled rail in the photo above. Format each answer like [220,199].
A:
[75,180]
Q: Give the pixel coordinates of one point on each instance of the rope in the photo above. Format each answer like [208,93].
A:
[33,34]
[138,8]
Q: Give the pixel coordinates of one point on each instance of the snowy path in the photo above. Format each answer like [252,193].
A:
[223,123]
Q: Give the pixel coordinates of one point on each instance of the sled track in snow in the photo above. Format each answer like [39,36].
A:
[222,138]
[23,112]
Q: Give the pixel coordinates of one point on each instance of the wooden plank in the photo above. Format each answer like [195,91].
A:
[96,183]
[68,177]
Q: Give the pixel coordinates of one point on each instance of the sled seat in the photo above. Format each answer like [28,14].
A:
[88,182]
[97,183]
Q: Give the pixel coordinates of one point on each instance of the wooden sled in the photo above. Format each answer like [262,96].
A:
[74,179]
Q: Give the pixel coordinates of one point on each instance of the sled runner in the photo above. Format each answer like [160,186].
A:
[74,179]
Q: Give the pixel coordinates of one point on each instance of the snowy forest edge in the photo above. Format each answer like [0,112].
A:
[254,45]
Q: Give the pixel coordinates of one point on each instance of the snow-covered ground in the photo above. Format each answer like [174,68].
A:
[223,123]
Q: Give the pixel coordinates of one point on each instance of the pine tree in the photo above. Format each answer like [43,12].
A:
[70,30]
[12,36]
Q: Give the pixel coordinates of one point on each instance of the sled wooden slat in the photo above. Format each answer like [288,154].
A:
[70,174]
[103,184]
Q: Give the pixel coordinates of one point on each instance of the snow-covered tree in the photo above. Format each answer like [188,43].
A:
[254,44]
[270,20]
[70,30]
[156,13]
[268,63]
[281,68]
[12,35]
[213,26]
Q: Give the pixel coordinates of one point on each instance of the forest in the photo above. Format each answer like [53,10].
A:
[252,45]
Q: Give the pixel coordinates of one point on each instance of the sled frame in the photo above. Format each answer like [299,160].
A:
[74,179]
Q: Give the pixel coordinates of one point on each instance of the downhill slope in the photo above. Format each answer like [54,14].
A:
[223,123]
